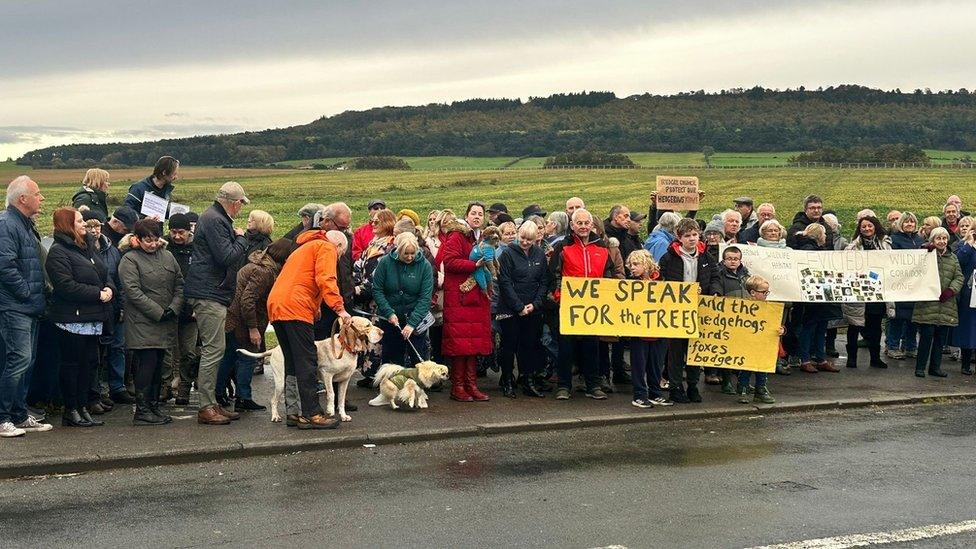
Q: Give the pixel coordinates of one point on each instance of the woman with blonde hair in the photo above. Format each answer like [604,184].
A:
[93,194]
[403,283]
[647,354]
[928,224]
[812,335]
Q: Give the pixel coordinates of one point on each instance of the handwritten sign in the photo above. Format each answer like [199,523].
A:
[177,208]
[610,307]
[845,276]
[154,206]
[677,193]
[740,334]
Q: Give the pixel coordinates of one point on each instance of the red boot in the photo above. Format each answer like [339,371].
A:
[471,379]
[458,391]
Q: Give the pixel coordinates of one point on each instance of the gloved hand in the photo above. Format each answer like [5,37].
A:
[946,295]
[168,314]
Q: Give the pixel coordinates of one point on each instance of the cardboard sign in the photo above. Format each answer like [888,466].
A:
[677,193]
[623,308]
[740,334]
[846,276]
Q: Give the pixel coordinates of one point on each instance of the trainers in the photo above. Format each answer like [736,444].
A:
[596,394]
[36,413]
[728,388]
[7,430]
[911,354]
[641,403]
[605,385]
[745,397]
[895,354]
[34,426]
[763,396]
[661,401]
[694,394]
[562,393]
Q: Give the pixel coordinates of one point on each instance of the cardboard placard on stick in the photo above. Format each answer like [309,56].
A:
[677,193]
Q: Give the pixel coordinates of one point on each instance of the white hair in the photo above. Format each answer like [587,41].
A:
[727,213]
[668,221]
[581,212]
[529,231]
[831,219]
[17,188]
[937,232]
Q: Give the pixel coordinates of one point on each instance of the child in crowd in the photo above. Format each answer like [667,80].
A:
[647,354]
[756,288]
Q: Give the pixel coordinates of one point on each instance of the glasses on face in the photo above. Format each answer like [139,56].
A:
[761,292]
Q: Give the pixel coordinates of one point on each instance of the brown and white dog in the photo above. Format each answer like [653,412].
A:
[336,363]
[406,385]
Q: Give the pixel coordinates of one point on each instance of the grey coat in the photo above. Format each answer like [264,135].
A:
[153,284]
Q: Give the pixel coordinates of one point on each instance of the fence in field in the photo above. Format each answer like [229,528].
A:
[660,167]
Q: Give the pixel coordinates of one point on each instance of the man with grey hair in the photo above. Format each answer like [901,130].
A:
[764,212]
[22,300]
[218,248]
[662,236]
[307,214]
[731,223]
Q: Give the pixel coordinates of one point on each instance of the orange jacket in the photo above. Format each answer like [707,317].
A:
[308,277]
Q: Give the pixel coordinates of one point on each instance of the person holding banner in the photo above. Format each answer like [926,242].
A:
[686,261]
[812,317]
[865,318]
[902,334]
[585,255]
[936,318]
[647,354]
[730,280]
[756,288]
[964,336]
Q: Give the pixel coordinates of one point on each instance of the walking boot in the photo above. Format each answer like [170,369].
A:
[507,385]
[694,395]
[852,356]
[183,394]
[72,418]
[458,390]
[122,397]
[763,396]
[744,396]
[471,383]
[210,416]
[728,388]
[87,416]
[144,415]
[529,388]
[154,410]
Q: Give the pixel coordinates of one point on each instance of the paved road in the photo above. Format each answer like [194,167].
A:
[710,483]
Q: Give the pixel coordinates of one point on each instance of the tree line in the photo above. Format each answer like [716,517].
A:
[737,120]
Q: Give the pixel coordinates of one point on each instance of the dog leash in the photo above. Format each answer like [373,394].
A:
[419,358]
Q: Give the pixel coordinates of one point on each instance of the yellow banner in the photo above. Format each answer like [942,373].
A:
[628,308]
[741,334]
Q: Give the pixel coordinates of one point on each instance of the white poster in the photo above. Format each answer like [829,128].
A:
[177,208]
[153,206]
[846,276]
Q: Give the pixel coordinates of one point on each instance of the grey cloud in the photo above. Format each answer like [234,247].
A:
[53,36]
[33,134]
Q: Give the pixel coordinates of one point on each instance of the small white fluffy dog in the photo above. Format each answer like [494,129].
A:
[406,385]
[336,360]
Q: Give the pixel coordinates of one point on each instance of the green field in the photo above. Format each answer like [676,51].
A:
[282,192]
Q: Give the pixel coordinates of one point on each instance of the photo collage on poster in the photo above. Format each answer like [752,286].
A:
[841,286]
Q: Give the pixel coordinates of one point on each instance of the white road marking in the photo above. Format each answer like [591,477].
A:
[879,538]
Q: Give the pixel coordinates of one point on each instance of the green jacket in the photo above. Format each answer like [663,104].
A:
[403,289]
[400,378]
[942,314]
[92,199]
[152,284]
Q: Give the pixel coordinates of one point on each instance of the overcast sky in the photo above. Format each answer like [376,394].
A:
[103,70]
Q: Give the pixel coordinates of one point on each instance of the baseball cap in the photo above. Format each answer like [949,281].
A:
[376,202]
[232,190]
[498,207]
[127,216]
[533,209]
[743,200]
[637,216]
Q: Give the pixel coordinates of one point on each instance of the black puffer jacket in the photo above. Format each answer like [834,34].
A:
[800,223]
[673,268]
[629,242]
[521,279]
[78,276]
[729,282]
[216,250]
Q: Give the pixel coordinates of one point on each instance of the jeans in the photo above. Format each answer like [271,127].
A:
[902,334]
[116,359]
[394,349]
[521,338]
[812,340]
[744,375]
[931,338]
[646,366]
[18,347]
[211,317]
[297,340]
[678,369]
[237,365]
[583,351]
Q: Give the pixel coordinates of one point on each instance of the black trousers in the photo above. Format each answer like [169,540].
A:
[79,353]
[147,374]
[297,340]
[521,337]
[871,332]
[678,369]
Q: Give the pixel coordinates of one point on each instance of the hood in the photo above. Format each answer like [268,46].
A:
[310,235]
[676,247]
[661,235]
[263,259]
[456,225]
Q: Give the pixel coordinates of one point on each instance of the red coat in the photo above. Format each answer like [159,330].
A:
[361,239]
[467,316]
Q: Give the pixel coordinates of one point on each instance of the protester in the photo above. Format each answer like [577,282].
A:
[403,284]
[748,216]
[120,224]
[247,320]
[467,308]
[764,213]
[838,243]
[929,223]
[260,225]
[964,226]
[557,226]
[950,221]
[936,318]
[337,217]
[364,234]
[686,261]
[522,289]
[756,288]
[624,226]
[812,317]
[730,280]
[218,248]
[306,214]
[80,307]
[112,344]
[92,195]
[495,210]
[865,318]
[22,301]
[434,240]
[183,357]
[160,183]
[306,280]
[573,204]
[153,286]
[647,354]
[964,336]
[902,333]
[382,243]
[583,255]
[812,213]
[731,223]
[772,235]
[662,236]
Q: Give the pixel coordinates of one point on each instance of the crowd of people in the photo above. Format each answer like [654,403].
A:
[124,309]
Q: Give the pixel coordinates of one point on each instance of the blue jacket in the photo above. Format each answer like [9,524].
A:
[658,243]
[21,272]
[138,189]
[217,254]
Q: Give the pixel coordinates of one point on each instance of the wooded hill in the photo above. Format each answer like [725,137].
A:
[738,120]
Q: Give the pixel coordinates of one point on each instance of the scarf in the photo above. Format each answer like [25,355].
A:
[763,243]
